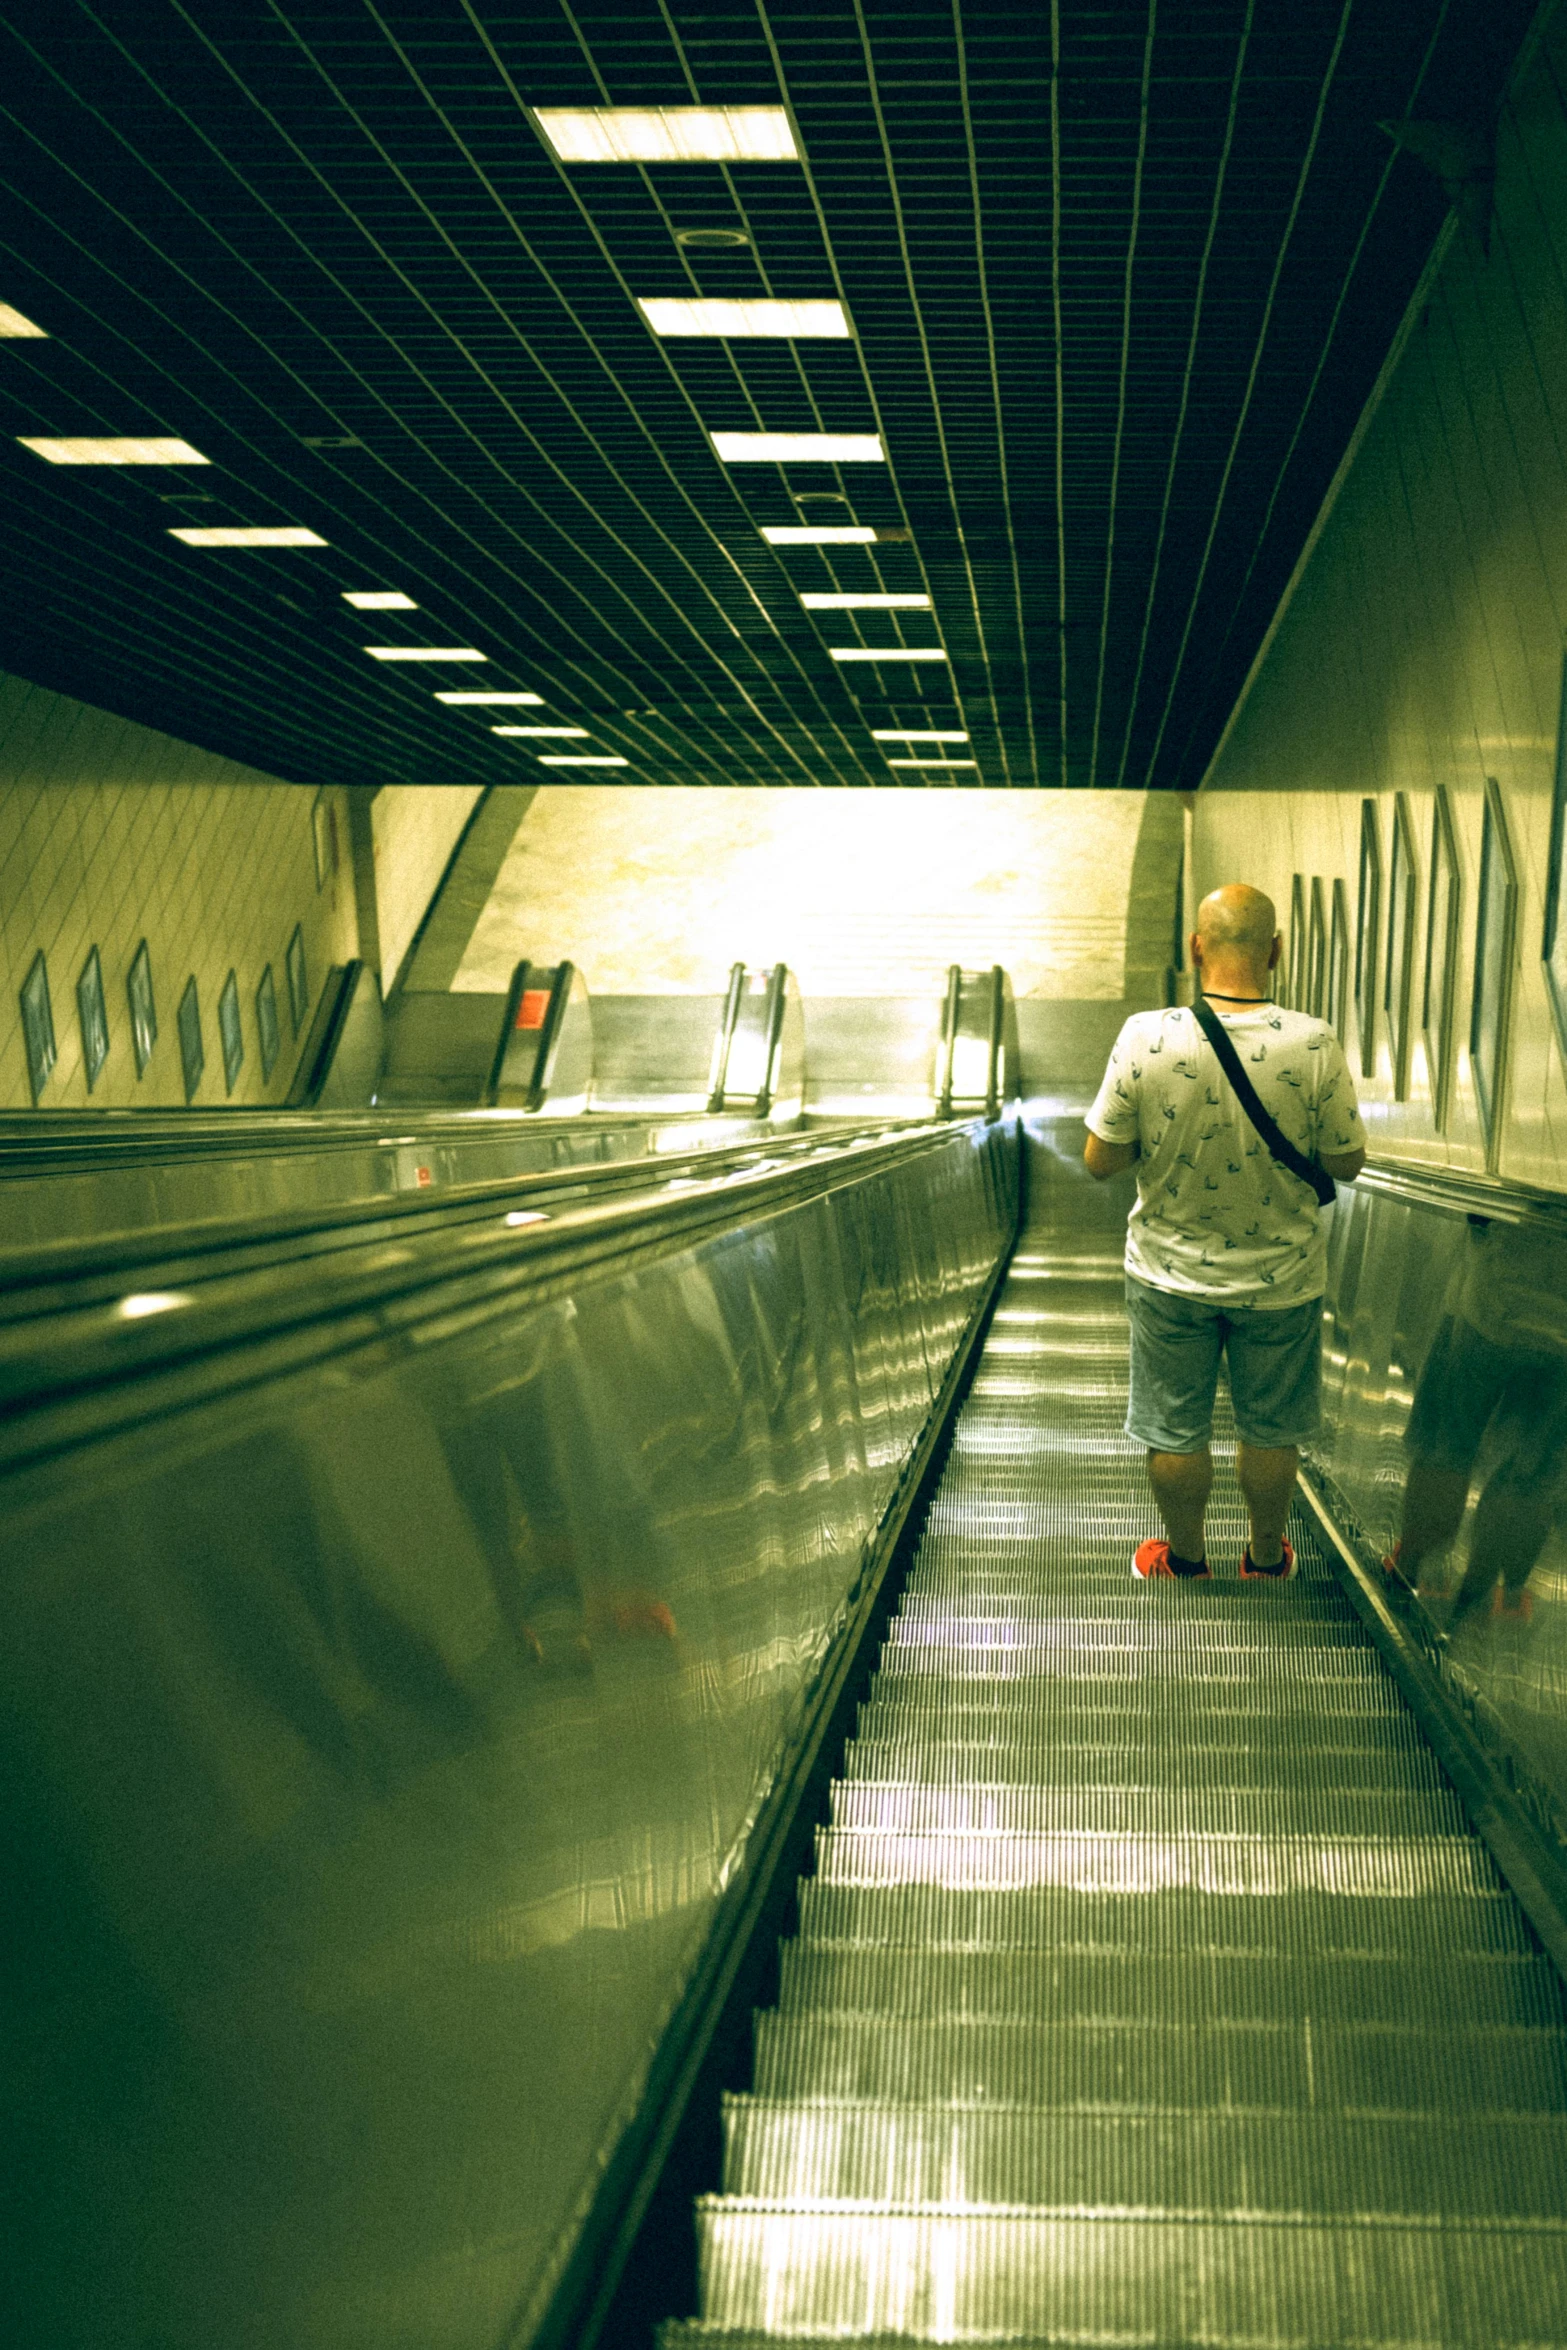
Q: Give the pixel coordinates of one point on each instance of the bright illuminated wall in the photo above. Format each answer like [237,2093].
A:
[1423,644]
[859,892]
[414,828]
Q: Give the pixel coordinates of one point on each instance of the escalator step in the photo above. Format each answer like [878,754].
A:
[1193,2063]
[1247,1867]
[1206,2164]
[1029,2278]
[980,1808]
[1060,1917]
[1236,1770]
[1105,1984]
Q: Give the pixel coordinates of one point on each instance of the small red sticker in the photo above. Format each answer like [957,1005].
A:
[534,1005]
[423,1177]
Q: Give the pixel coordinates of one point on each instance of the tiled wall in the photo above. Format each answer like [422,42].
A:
[1423,644]
[109,834]
[859,892]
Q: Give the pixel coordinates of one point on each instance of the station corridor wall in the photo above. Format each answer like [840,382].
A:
[1421,653]
[112,834]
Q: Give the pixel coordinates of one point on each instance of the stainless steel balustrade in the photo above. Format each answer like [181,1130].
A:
[398,1655]
[74,1179]
[1152,1985]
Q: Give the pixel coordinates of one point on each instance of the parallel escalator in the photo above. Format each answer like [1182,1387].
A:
[1151,1986]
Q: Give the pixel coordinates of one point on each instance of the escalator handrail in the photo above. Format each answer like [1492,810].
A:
[1455,1193]
[308,1308]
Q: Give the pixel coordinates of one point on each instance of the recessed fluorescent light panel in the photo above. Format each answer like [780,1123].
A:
[800,448]
[425,653]
[886,652]
[577,733]
[287,535]
[13,323]
[857,603]
[679,316]
[827,534]
[379,600]
[83,449]
[933,762]
[668,134]
[580,759]
[911,734]
[515,700]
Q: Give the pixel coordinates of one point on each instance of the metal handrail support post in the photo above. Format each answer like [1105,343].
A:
[947,1051]
[725,1038]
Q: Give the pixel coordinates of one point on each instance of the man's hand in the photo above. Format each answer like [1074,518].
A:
[1343,1166]
[1103,1159]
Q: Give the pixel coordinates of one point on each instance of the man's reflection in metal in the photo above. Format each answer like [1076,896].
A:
[1492,1391]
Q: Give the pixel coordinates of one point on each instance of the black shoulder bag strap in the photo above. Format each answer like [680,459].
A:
[1279,1144]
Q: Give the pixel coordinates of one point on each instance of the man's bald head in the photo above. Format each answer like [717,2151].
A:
[1237,930]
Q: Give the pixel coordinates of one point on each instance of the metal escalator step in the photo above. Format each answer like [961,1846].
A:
[1225,1645]
[1248,1867]
[1186,1650]
[1052,1917]
[1241,1768]
[935,1681]
[1106,1984]
[1066,2279]
[978,1807]
[1387,2068]
[1206,2164]
[1060,1720]
[1027,1596]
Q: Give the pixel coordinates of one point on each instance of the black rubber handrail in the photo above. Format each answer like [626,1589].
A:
[1458,1194]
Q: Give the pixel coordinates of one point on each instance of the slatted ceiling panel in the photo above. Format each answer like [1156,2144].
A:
[1120,278]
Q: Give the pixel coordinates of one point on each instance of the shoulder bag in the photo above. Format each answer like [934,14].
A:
[1279,1145]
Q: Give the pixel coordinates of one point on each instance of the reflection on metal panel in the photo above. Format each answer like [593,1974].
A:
[379,1740]
[1445,1430]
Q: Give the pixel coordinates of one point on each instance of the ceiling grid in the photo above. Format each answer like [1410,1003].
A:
[1093,296]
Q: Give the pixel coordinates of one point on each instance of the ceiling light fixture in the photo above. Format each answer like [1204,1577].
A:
[668,134]
[683,315]
[933,762]
[872,603]
[886,652]
[532,700]
[921,734]
[799,448]
[578,733]
[826,534]
[286,535]
[714,240]
[379,600]
[13,323]
[581,759]
[425,653]
[90,449]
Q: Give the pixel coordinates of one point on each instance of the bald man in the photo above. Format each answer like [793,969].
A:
[1225,1251]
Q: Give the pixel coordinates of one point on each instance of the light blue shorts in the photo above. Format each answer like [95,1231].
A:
[1275,1363]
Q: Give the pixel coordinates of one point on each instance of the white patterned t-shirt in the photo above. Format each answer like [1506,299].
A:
[1216,1216]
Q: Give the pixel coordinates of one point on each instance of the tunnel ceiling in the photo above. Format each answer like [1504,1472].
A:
[1116,279]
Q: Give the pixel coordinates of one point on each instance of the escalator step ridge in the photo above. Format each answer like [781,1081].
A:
[1150,1986]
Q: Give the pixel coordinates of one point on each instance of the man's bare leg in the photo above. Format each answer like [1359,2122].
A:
[1181,1484]
[1266,1476]
[1434,1502]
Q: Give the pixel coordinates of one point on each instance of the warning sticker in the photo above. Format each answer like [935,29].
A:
[534,1005]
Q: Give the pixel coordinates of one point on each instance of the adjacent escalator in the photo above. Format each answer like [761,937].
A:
[1150,1986]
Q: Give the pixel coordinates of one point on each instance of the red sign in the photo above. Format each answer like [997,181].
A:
[534,1005]
[423,1178]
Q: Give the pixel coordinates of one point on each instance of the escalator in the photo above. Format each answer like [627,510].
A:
[1151,1985]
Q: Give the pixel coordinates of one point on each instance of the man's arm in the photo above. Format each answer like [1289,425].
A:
[1343,1166]
[1103,1159]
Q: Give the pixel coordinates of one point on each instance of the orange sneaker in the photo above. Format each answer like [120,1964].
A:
[1282,1573]
[1152,1559]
